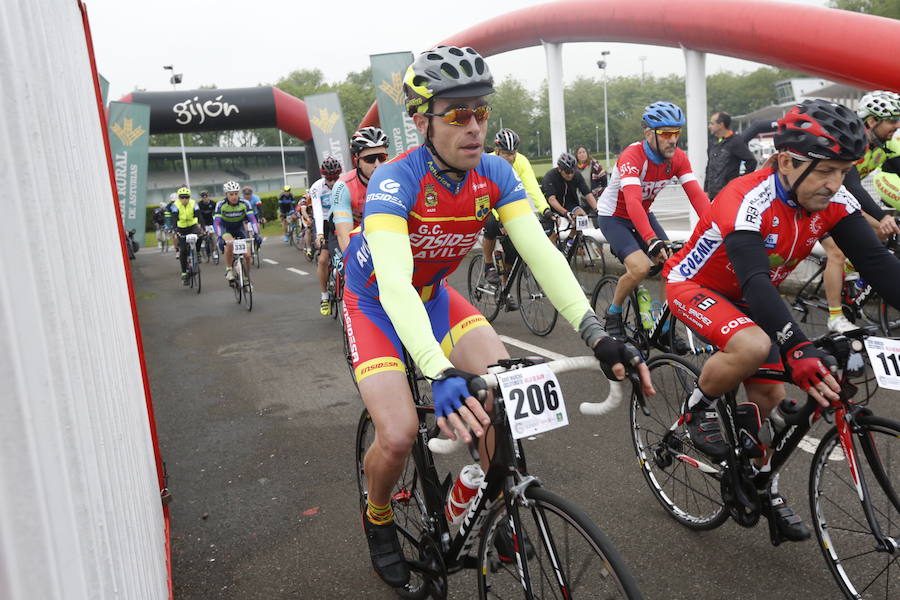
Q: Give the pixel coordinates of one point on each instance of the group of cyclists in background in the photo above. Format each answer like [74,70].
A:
[397,229]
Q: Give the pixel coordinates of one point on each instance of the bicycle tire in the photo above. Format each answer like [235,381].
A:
[810,305]
[257,257]
[889,318]
[248,291]
[481,297]
[196,272]
[840,525]
[535,306]
[238,282]
[688,495]
[587,263]
[407,501]
[555,525]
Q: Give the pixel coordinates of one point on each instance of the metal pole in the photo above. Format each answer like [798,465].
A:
[283,167]
[553,53]
[187,178]
[539,142]
[602,64]
[596,138]
[695,94]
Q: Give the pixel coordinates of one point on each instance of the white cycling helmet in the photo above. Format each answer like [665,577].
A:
[231,186]
[880,104]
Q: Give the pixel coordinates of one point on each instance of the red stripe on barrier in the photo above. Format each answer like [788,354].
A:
[134,314]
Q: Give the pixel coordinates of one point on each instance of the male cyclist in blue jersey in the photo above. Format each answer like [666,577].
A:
[422,216]
[285,210]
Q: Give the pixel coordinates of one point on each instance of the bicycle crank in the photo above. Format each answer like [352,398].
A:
[741,498]
[430,566]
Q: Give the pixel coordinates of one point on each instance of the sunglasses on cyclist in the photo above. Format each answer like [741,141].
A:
[461,116]
[667,134]
[371,159]
[183,196]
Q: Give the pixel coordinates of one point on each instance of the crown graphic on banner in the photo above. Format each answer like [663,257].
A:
[325,121]
[394,89]
[126,132]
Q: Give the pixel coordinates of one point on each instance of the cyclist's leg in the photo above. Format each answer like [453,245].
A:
[491,231]
[227,250]
[182,247]
[631,251]
[833,277]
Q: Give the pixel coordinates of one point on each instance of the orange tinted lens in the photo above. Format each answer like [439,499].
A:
[668,135]
[482,113]
[458,116]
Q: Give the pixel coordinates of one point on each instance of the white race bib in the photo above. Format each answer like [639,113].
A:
[884,355]
[534,400]
[581,222]
[239,246]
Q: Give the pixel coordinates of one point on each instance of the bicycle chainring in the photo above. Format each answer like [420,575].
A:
[743,507]
[430,565]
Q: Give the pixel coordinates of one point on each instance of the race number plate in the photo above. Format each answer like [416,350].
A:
[239,246]
[191,238]
[209,229]
[884,356]
[581,222]
[534,400]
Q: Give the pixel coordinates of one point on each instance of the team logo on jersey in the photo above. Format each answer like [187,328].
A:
[775,221]
[482,207]
[431,198]
[771,241]
[815,225]
[390,186]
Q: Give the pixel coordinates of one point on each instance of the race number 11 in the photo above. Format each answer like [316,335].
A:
[534,401]
[884,356]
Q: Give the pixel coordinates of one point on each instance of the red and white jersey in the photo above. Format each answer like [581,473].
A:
[754,202]
[635,168]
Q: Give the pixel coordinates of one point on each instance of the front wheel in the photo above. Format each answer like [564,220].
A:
[196,275]
[565,554]
[860,567]
[588,263]
[483,295]
[669,462]
[537,311]
[890,319]
[247,291]
[237,283]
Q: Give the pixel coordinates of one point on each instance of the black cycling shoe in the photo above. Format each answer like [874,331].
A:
[505,545]
[386,553]
[705,431]
[491,275]
[614,326]
[511,304]
[788,523]
[679,345]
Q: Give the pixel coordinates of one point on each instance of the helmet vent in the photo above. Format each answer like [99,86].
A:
[450,71]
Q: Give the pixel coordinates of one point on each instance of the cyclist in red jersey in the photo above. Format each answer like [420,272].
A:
[423,214]
[368,147]
[723,283]
[642,171]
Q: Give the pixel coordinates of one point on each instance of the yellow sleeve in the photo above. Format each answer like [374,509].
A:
[388,239]
[522,167]
[548,264]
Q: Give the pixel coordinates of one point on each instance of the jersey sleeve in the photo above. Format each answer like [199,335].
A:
[523,168]
[318,212]
[630,165]
[341,209]
[508,183]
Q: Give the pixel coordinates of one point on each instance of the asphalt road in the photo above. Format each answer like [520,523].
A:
[256,416]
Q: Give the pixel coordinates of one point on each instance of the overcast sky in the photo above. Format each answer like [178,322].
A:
[239,43]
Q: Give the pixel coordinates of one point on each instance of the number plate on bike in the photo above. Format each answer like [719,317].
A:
[239,246]
[884,355]
[191,238]
[534,400]
[581,222]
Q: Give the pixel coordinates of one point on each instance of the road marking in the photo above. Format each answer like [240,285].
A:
[531,348]
[297,271]
[270,261]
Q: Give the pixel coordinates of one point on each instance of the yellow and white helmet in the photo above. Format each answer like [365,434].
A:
[445,72]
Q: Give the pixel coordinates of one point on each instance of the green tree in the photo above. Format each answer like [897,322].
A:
[357,93]
[512,106]
[881,8]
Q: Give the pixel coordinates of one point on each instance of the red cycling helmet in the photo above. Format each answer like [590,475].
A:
[822,130]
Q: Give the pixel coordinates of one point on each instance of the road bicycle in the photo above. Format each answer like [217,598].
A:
[853,478]
[255,250]
[583,253]
[164,236]
[559,552]
[335,285]
[537,311]
[210,252]
[193,261]
[243,288]
[860,304]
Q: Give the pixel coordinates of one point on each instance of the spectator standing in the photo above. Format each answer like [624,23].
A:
[725,153]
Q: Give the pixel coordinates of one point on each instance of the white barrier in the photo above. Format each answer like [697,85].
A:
[80,512]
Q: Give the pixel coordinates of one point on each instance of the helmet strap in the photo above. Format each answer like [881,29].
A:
[430,145]
[792,190]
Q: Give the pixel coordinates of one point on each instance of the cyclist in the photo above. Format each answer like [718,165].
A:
[561,186]
[880,111]
[231,213]
[423,213]
[285,209]
[159,222]
[644,168]
[186,216]
[506,145]
[320,198]
[368,147]
[169,221]
[887,178]
[302,211]
[207,208]
[723,282]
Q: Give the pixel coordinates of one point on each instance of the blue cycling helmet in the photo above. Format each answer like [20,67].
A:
[662,114]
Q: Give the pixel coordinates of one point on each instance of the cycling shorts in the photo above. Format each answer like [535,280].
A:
[714,318]
[234,231]
[374,344]
[623,238]
[286,210]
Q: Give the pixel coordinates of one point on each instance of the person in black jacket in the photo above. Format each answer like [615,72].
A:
[725,152]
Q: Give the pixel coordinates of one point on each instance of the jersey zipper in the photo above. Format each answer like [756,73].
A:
[793,244]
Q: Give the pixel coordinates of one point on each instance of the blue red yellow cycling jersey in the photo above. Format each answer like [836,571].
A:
[443,217]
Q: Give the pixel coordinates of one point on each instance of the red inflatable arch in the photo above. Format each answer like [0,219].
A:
[848,47]
[224,109]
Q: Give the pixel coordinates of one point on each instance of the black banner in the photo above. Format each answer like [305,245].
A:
[209,110]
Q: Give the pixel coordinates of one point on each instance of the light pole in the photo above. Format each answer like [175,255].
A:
[642,59]
[539,142]
[175,79]
[602,64]
[596,138]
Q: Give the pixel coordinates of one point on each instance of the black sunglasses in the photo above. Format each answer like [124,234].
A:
[373,158]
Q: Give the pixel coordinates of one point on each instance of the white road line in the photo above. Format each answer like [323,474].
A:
[531,348]
[270,261]
[297,271]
